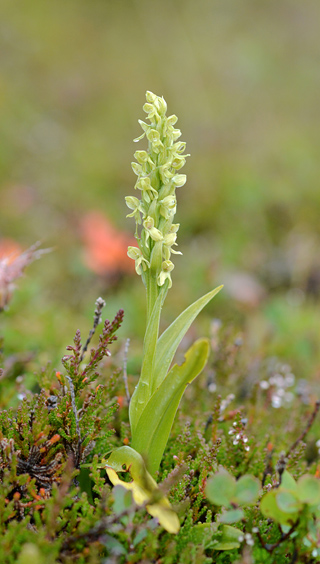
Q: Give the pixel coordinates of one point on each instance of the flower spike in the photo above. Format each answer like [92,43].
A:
[158,177]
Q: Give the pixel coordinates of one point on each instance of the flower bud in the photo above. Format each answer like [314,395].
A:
[150,97]
[137,168]
[174,228]
[148,108]
[179,180]
[134,253]
[161,105]
[141,156]
[176,134]
[178,162]
[171,120]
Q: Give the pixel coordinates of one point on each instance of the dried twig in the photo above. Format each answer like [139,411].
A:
[271,547]
[100,303]
[74,408]
[306,430]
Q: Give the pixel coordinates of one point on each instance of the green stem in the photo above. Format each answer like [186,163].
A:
[152,294]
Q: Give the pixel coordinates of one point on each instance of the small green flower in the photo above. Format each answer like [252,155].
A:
[167,267]
[154,137]
[168,206]
[135,205]
[166,173]
[144,184]
[141,262]
[179,180]
[168,242]
[151,230]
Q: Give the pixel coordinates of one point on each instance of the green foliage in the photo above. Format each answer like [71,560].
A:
[212,536]
[53,509]
[223,489]
[157,417]
[42,444]
[296,507]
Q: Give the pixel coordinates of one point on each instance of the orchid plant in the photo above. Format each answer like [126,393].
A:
[157,396]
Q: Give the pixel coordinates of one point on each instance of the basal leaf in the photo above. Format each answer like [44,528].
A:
[143,487]
[170,339]
[144,389]
[151,434]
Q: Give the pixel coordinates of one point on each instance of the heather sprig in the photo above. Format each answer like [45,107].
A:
[81,376]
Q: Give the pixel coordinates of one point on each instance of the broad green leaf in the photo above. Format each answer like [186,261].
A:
[170,339]
[207,534]
[229,538]
[143,390]
[309,489]
[247,490]
[231,516]
[221,488]
[114,545]
[287,502]
[143,487]
[151,434]
[202,533]
[270,509]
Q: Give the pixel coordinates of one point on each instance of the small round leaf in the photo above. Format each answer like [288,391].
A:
[247,490]
[309,489]
[270,509]
[287,502]
[231,516]
[220,488]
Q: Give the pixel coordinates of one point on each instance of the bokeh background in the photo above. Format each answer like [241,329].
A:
[244,80]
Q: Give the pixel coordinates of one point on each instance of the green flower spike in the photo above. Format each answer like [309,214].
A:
[157,181]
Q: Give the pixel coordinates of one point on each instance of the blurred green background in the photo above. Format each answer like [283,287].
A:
[244,79]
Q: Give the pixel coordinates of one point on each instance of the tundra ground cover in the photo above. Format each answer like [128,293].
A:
[229,487]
